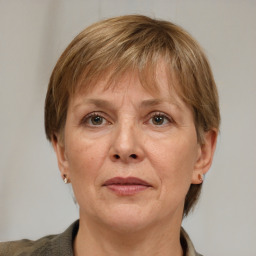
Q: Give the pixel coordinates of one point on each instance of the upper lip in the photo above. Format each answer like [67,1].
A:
[126,181]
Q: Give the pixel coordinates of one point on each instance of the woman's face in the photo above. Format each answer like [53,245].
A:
[130,155]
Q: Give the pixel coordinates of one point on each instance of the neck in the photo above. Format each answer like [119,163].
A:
[95,239]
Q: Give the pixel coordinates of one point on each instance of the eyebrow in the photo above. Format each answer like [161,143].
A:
[151,102]
[156,102]
[144,104]
[97,102]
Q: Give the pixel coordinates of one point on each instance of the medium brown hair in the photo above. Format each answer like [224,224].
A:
[135,43]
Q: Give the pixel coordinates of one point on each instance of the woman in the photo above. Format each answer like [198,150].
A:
[132,113]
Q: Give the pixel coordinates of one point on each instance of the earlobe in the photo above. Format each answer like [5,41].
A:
[59,149]
[205,156]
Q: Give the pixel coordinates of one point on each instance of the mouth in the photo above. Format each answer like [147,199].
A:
[126,186]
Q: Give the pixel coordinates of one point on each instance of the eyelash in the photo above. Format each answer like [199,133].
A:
[152,115]
[160,114]
[88,117]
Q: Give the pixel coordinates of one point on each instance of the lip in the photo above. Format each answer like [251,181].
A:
[126,186]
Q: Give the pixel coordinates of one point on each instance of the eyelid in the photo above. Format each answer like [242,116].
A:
[92,114]
[85,119]
[159,113]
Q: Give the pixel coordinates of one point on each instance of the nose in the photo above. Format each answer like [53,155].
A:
[127,145]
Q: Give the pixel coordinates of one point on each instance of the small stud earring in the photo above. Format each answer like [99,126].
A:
[65,179]
[201,177]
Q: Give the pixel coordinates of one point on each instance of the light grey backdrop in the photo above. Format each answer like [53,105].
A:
[33,199]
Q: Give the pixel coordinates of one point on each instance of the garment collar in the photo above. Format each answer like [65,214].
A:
[64,241]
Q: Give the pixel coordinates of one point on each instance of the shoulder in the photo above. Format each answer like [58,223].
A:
[24,247]
[51,245]
[187,244]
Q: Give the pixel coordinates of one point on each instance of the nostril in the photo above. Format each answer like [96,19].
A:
[116,156]
[133,156]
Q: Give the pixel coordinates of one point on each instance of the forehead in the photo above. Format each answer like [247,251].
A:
[105,93]
[158,81]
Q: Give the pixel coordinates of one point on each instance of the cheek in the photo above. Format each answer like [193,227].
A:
[85,158]
[173,160]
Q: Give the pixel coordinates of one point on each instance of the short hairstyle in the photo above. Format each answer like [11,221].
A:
[135,43]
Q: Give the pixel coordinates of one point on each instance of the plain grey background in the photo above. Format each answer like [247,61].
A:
[33,199]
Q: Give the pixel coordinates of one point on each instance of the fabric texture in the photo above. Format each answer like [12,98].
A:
[62,245]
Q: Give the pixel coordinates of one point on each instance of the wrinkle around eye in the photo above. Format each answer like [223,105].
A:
[91,119]
[165,118]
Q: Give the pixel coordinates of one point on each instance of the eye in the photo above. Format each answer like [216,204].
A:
[94,119]
[159,119]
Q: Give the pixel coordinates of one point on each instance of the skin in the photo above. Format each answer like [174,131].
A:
[155,139]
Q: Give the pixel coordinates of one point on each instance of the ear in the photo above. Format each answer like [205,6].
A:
[205,156]
[59,148]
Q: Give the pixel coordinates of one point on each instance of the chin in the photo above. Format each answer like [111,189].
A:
[128,218]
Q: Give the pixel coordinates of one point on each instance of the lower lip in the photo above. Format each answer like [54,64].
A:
[127,190]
